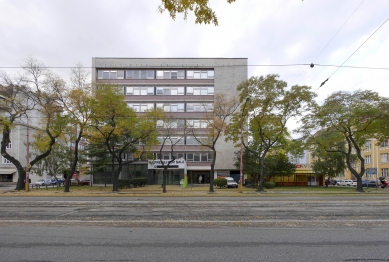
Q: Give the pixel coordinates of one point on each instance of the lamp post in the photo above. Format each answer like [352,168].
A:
[241,147]
[28,166]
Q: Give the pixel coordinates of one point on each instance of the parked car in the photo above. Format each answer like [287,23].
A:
[54,181]
[364,183]
[84,182]
[371,183]
[346,183]
[43,182]
[73,182]
[231,182]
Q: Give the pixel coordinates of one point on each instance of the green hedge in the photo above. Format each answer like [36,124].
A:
[133,182]
[270,184]
[220,182]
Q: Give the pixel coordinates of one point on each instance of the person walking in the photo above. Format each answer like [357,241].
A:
[200,179]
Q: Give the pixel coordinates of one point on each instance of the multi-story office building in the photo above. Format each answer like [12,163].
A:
[184,88]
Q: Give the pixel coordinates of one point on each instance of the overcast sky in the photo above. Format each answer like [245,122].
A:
[62,33]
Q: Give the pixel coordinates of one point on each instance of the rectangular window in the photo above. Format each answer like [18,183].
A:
[167,107]
[384,157]
[141,107]
[136,90]
[367,159]
[200,74]
[205,90]
[170,90]
[139,74]
[114,74]
[384,172]
[368,145]
[6,161]
[384,143]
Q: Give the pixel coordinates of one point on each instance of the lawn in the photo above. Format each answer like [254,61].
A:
[175,190]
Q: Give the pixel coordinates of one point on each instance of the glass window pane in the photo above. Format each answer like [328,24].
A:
[189,107]
[173,108]
[189,156]
[211,90]
[129,74]
[159,90]
[99,74]
[189,74]
[181,74]
[144,91]
[136,91]
[106,75]
[196,75]
[204,157]
[136,74]
[143,108]
[204,91]
[196,91]
[174,74]
[166,74]
[159,105]
[204,74]
[120,74]
[159,74]
[189,90]
[150,74]
[113,75]
[181,107]
[173,91]
[166,91]
[196,157]
[150,106]
[143,74]
[130,90]
[211,74]
[166,108]
[180,90]
[150,91]
[197,108]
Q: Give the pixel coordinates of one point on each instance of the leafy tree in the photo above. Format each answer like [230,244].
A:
[217,125]
[202,11]
[276,164]
[27,96]
[118,127]
[76,103]
[330,164]
[352,117]
[268,107]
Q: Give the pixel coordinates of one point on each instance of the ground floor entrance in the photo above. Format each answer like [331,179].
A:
[199,177]
[172,177]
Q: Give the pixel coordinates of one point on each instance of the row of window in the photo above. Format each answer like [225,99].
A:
[181,123]
[384,158]
[189,157]
[172,107]
[368,144]
[155,74]
[188,140]
[168,90]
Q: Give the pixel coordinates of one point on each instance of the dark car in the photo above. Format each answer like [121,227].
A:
[54,181]
[371,183]
[84,182]
[364,183]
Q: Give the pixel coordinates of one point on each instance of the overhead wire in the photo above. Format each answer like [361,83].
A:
[352,54]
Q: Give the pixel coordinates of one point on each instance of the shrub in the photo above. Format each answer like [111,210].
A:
[220,182]
[133,182]
[269,185]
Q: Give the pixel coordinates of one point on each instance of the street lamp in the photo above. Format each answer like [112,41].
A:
[241,147]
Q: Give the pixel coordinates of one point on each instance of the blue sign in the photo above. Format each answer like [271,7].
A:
[371,171]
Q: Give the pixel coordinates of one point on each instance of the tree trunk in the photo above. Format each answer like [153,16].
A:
[20,185]
[212,173]
[261,175]
[164,178]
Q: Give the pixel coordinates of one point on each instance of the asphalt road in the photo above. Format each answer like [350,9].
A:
[357,211]
[290,228]
[114,244]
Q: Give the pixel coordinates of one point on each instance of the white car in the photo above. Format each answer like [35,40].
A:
[43,182]
[346,183]
[231,182]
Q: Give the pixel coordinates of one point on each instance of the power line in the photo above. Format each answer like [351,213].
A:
[214,66]
[352,54]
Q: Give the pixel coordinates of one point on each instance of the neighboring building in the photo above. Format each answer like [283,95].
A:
[376,160]
[185,88]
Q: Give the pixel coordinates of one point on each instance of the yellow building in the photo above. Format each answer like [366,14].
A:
[376,160]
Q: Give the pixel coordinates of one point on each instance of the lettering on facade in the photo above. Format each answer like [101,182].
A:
[304,166]
[180,163]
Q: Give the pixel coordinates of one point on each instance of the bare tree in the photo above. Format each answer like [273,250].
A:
[217,125]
